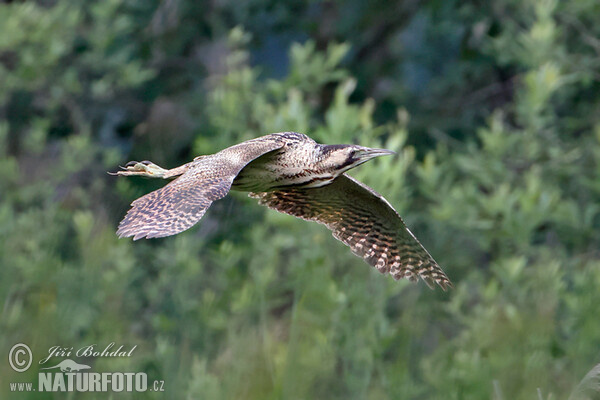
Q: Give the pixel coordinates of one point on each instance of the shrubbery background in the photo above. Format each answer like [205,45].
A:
[493,108]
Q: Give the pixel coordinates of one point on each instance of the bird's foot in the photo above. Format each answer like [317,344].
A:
[142,168]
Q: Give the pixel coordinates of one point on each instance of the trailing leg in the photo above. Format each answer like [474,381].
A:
[150,170]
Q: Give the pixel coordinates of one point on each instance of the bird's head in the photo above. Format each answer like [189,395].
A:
[343,157]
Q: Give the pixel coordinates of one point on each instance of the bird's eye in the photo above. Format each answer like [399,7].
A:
[352,156]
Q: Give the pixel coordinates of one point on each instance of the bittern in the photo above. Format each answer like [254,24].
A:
[293,174]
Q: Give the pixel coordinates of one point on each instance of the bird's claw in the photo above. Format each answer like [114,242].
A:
[140,168]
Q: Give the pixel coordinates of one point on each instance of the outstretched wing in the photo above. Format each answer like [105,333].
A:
[363,220]
[180,204]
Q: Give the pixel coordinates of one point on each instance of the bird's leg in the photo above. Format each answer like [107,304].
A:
[150,170]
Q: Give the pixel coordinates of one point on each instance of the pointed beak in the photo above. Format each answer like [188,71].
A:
[369,153]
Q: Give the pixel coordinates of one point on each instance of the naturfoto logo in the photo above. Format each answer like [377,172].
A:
[71,376]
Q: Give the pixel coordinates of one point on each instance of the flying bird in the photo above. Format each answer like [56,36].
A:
[291,173]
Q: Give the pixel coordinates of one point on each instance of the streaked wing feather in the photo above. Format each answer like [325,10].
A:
[180,204]
[363,220]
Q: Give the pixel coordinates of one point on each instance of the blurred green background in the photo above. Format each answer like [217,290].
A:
[492,107]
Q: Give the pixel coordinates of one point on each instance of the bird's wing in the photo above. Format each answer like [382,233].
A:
[363,220]
[180,204]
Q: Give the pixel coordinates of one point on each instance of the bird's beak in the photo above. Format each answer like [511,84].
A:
[369,153]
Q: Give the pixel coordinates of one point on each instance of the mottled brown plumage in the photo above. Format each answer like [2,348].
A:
[364,221]
[290,173]
[180,204]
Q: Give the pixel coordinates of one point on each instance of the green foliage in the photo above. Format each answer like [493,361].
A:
[495,125]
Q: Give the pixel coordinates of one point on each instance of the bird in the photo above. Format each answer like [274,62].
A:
[293,174]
